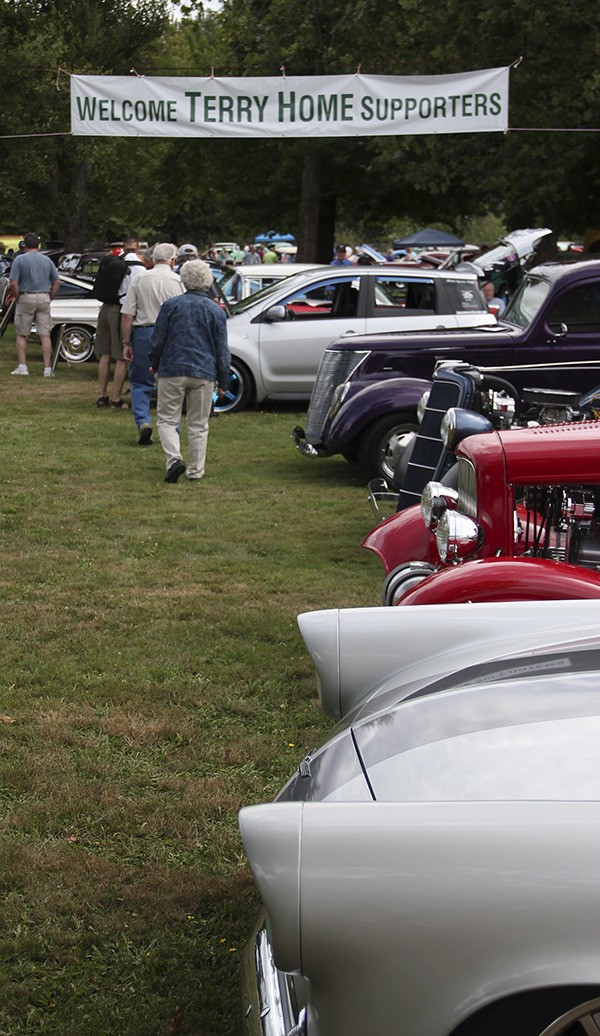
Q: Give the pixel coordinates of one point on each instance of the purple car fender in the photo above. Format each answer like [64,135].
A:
[372,402]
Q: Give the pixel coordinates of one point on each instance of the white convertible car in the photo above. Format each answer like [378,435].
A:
[434,868]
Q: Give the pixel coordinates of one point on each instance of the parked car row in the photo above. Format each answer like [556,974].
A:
[365,398]
[434,866]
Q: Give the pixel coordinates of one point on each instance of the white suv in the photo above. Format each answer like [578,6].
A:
[278,335]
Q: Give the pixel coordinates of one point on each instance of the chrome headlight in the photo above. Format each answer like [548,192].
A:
[458,424]
[422,405]
[457,536]
[435,499]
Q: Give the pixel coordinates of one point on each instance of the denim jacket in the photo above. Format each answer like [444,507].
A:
[190,339]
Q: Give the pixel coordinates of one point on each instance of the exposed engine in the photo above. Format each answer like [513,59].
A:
[560,524]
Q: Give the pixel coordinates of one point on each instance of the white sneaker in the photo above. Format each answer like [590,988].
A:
[48,372]
[21,369]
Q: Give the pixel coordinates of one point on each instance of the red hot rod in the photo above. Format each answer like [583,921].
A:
[523,523]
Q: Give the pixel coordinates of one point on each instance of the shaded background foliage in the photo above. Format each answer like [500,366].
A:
[86,191]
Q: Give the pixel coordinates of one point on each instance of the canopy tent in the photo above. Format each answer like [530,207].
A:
[272,237]
[429,238]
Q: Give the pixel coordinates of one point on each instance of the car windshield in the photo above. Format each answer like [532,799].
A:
[526,302]
[291,283]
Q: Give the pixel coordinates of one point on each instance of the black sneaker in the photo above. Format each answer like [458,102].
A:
[103,401]
[175,471]
[145,438]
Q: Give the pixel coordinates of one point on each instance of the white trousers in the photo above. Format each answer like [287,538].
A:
[197,395]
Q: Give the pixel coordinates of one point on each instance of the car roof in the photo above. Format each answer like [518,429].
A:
[566,269]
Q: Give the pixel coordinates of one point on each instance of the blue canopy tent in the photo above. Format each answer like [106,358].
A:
[274,238]
[429,238]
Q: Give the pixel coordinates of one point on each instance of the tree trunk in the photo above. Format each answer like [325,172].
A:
[317,215]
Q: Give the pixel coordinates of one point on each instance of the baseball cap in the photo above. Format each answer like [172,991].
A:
[187,250]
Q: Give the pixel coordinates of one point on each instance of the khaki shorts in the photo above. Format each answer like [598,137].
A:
[108,332]
[33,308]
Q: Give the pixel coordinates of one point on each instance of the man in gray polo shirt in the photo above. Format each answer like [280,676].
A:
[34,282]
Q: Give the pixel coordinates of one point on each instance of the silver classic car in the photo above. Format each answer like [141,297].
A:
[434,868]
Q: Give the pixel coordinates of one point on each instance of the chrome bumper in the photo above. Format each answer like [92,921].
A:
[383,500]
[299,437]
[266,997]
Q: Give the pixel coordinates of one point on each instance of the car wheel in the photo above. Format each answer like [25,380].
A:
[581,1021]
[75,343]
[382,444]
[403,578]
[239,392]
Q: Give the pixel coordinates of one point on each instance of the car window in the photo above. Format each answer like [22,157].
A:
[526,302]
[327,299]
[412,294]
[579,309]
[72,291]
[231,285]
[466,297]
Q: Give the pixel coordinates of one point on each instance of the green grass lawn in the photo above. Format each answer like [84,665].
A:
[153,680]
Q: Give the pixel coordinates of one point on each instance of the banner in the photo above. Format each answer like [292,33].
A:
[301,106]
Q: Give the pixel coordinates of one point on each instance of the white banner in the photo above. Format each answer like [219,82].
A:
[300,106]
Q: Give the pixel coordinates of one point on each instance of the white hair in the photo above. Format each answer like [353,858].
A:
[196,275]
[163,253]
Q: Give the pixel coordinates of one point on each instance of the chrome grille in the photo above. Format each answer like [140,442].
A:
[428,458]
[336,365]
[467,488]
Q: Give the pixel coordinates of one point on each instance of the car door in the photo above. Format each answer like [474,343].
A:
[313,316]
[74,303]
[572,335]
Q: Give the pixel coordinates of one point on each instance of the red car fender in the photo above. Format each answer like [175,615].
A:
[402,537]
[506,579]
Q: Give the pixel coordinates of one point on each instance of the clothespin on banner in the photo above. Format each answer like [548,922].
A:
[282,70]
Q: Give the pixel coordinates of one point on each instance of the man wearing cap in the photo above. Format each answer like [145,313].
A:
[340,259]
[34,282]
[184,253]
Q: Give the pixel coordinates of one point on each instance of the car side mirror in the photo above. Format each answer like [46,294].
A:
[275,313]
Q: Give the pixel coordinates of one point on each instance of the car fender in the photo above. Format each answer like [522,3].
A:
[372,402]
[245,348]
[360,653]
[355,881]
[402,537]
[506,579]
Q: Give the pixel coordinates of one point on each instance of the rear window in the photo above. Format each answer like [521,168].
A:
[466,297]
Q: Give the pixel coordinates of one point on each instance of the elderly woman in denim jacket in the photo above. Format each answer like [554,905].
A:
[190,355]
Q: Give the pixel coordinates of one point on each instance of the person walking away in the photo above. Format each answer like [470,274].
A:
[34,282]
[140,309]
[110,288]
[190,354]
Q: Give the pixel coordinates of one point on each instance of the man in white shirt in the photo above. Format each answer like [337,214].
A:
[145,295]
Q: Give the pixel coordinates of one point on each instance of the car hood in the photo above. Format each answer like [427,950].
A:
[491,731]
